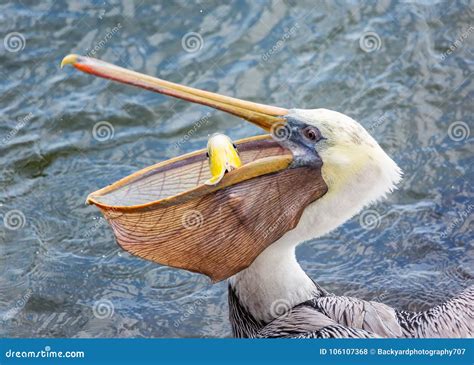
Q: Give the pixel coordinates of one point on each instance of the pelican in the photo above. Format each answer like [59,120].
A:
[319,169]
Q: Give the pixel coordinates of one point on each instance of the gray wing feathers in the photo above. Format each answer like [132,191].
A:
[355,313]
[307,322]
[455,318]
[332,316]
[338,331]
[297,321]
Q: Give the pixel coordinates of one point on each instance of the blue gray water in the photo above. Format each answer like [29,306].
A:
[403,69]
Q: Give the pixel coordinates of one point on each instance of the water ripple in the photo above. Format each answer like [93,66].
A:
[406,90]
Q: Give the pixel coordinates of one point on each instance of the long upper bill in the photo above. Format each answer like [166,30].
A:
[165,213]
[262,115]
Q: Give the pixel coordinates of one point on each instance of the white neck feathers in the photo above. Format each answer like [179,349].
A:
[273,284]
[275,278]
[357,172]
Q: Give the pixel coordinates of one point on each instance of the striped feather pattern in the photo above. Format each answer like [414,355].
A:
[454,318]
[330,316]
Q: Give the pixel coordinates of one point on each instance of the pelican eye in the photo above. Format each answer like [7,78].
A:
[235,146]
[311,133]
[207,154]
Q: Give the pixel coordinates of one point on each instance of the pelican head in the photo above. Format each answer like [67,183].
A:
[350,156]
[352,170]
[356,170]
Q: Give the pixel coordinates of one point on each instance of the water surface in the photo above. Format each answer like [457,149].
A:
[403,69]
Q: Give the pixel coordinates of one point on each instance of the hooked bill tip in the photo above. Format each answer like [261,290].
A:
[70,59]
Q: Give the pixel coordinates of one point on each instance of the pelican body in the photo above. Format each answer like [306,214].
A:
[335,170]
